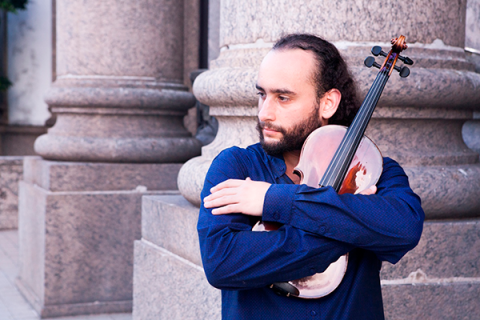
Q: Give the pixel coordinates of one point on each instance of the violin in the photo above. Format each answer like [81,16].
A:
[350,162]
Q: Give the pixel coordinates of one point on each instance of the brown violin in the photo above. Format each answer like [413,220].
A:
[350,163]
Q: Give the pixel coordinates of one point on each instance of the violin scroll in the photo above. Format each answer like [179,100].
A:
[398,45]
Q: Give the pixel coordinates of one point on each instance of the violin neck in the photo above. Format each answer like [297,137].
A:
[337,169]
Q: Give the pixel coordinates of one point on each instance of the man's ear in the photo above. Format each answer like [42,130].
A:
[329,103]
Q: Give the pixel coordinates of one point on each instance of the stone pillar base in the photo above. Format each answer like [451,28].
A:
[440,278]
[77,225]
[11,171]
[168,281]
[19,140]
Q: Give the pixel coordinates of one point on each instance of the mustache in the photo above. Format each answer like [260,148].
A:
[262,125]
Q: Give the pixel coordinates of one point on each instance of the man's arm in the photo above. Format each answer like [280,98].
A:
[234,257]
[388,223]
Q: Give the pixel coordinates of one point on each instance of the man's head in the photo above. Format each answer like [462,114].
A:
[303,83]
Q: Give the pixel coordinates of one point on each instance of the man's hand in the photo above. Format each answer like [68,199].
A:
[237,196]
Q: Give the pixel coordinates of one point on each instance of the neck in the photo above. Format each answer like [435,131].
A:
[291,161]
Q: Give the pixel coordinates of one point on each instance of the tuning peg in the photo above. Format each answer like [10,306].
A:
[406,60]
[404,71]
[370,61]
[378,51]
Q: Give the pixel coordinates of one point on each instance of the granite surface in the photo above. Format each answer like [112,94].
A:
[31,243]
[447,192]
[119,95]
[358,20]
[120,38]
[169,287]
[87,176]
[170,222]
[116,133]
[191,39]
[452,301]
[446,250]
[76,241]
[441,77]
[133,150]
[11,172]
[441,273]
[234,129]
[422,142]
[19,140]
[418,120]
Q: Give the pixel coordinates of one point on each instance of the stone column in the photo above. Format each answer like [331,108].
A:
[119,100]
[433,102]
[418,122]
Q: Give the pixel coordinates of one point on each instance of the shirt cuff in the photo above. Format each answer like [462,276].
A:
[278,203]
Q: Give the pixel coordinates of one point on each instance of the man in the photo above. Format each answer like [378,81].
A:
[303,83]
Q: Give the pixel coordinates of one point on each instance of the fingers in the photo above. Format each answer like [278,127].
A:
[223,189]
[230,183]
[237,196]
[232,208]
[221,193]
[220,201]
[223,196]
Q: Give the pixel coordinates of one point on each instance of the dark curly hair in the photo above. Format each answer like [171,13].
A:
[332,73]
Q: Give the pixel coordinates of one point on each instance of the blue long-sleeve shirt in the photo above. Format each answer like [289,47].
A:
[319,227]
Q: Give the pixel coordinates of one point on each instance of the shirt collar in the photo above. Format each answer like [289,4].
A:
[277,163]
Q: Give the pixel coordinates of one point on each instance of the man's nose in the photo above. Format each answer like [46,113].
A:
[266,109]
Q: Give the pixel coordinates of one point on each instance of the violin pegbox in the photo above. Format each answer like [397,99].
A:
[398,45]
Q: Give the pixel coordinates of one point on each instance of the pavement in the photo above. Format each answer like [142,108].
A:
[12,304]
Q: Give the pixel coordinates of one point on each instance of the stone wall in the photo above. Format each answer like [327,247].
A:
[11,171]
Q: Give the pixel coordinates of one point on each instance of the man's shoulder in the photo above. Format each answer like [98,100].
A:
[391,165]
[392,171]
[234,163]
[250,152]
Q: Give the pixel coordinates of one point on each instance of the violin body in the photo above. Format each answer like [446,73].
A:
[319,149]
[364,172]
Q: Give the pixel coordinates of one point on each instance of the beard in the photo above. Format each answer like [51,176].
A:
[292,139]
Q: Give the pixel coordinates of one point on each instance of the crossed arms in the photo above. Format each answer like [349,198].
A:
[319,226]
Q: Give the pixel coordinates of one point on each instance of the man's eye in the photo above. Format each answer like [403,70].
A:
[282,98]
[261,94]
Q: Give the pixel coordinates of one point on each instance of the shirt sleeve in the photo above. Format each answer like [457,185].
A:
[234,257]
[388,223]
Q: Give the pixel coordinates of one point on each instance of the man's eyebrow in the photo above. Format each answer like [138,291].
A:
[283,91]
[258,87]
[278,91]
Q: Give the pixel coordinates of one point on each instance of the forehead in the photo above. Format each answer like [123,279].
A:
[289,68]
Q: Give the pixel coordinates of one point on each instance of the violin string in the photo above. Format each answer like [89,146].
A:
[343,147]
[377,86]
[353,137]
[366,114]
